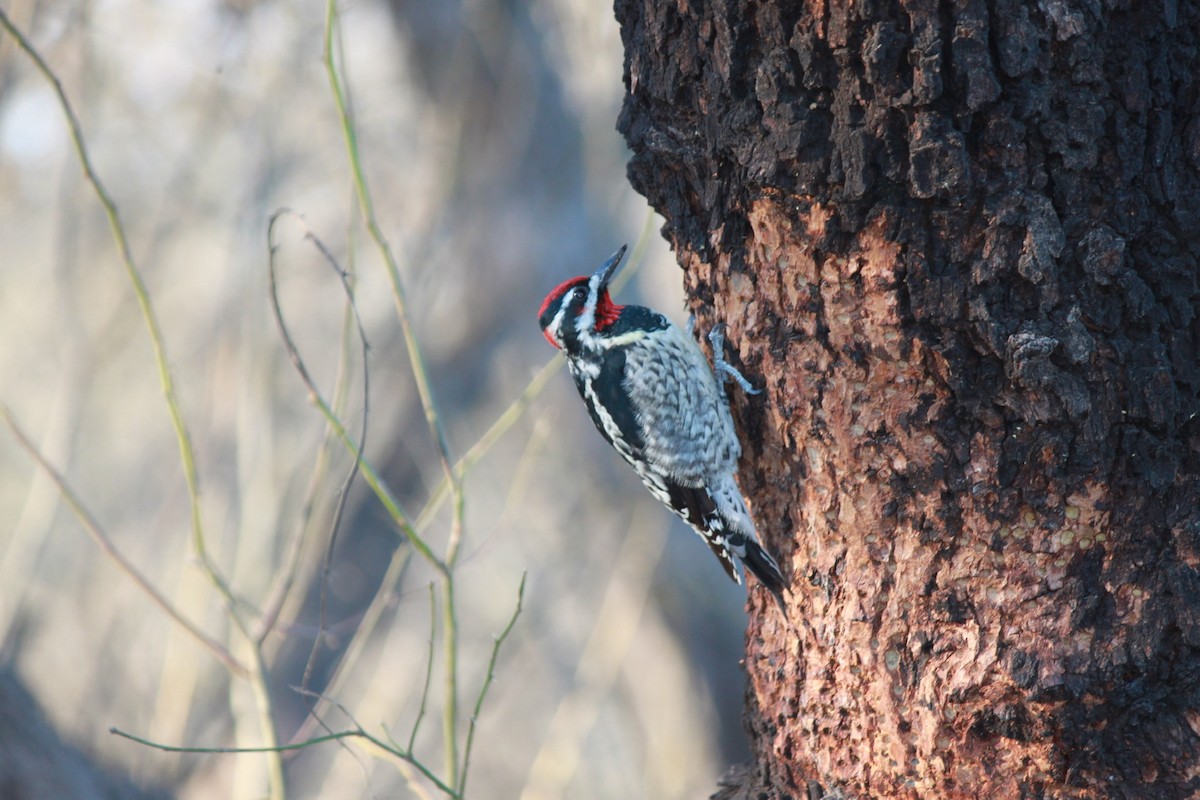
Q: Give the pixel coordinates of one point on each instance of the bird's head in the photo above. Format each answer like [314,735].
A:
[580,309]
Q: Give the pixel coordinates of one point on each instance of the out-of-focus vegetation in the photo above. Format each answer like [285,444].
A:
[486,136]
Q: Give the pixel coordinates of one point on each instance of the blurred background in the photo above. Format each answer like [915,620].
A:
[486,132]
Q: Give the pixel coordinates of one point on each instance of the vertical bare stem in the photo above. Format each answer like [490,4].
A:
[424,390]
[183,438]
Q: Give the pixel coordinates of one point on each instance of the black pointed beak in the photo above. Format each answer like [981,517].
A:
[609,268]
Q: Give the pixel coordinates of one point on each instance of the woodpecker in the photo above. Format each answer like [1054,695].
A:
[650,392]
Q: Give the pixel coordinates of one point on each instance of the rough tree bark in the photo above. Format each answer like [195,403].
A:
[957,242]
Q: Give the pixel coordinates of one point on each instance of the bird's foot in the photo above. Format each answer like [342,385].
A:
[723,368]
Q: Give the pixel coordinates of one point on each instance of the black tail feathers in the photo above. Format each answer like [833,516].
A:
[760,563]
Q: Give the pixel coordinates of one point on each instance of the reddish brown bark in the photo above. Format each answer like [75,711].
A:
[957,242]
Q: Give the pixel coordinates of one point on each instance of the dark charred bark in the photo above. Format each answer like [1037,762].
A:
[958,244]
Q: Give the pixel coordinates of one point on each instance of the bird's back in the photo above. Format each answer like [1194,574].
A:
[685,423]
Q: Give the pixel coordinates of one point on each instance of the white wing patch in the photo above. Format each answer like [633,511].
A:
[687,430]
[685,418]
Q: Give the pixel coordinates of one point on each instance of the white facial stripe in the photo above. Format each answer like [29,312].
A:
[587,320]
[555,326]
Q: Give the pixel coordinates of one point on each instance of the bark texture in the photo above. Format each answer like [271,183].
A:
[957,242]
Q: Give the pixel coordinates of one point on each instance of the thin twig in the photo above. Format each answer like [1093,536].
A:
[344,492]
[255,674]
[282,748]
[319,698]
[357,733]
[450,680]
[409,778]
[412,737]
[167,382]
[393,507]
[98,535]
[424,390]
[401,557]
[487,684]
[393,748]
[503,423]
[285,580]
[277,596]
[266,721]
[367,207]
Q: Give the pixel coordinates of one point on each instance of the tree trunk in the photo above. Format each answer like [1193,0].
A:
[957,243]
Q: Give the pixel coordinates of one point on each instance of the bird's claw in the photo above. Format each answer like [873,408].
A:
[725,370]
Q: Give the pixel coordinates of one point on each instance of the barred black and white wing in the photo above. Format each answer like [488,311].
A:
[653,396]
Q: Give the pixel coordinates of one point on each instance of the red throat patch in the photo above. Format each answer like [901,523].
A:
[606,311]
